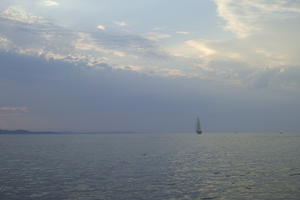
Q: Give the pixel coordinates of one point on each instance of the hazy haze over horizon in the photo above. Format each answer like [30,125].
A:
[150,65]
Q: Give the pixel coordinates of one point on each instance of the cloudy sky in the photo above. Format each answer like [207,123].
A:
[150,65]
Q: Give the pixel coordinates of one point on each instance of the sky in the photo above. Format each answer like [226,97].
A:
[150,65]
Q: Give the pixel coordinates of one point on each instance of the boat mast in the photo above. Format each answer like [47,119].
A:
[198,126]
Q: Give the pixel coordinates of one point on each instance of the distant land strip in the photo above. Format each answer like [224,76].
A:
[61,132]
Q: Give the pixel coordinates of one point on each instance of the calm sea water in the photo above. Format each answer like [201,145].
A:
[150,166]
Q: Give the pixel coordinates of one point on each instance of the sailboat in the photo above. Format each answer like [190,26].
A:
[198,126]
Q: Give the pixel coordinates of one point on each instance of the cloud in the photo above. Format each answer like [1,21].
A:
[266,42]
[120,23]
[112,75]
[86,42]
[50,3]
[236,61]
[101,27]
[53,42]
[13,109]
[4,43]
[183,32]
[157,36]
[84,92]
[19,15]
[132,68]
[204,51]
[239,62]
[245,18]
[99,98]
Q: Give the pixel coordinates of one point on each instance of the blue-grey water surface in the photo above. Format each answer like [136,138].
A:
[150,166]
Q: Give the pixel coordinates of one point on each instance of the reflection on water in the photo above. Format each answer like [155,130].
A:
[133,166]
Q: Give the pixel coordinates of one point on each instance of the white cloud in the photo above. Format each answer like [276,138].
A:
[5,43]
[245,18]
[101,27]
[117,50]
[202,48]
[173,72]
[120,23]
[267,35]
[18,14]
[157,36]
[3,40]
[136,68]
[182,32]
[273,45]
[86,43]
[118,53]
[50,3]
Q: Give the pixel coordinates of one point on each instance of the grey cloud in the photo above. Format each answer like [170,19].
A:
[35,32]
[48,39]
[84,98]
[122,40]
[13,108]
[286,79]
[130,43]
[33,35]
[51,41]
[265,78]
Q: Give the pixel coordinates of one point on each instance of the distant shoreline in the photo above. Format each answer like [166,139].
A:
[27,132]
[24,132]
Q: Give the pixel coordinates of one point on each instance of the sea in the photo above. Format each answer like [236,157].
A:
[150,166]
